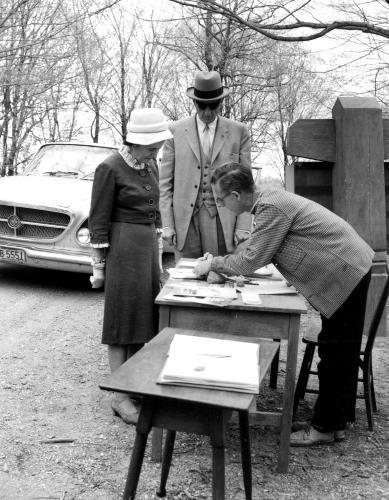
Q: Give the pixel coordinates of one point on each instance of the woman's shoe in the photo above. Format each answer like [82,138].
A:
[125,409]
[340,435]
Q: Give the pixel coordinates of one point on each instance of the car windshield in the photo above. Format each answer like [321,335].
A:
[68,160]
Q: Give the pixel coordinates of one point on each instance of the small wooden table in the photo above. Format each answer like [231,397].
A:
[187,409]
[278,317]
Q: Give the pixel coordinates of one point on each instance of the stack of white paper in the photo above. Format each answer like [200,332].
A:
[212,363]
[210,291]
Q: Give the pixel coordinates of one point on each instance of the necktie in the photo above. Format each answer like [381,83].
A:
[207,141]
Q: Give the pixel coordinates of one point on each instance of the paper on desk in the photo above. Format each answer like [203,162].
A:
[263,271]
[212,301]
[182,273]
[270,287]
[251,298]
[187,263]
[202,291]
[212,363]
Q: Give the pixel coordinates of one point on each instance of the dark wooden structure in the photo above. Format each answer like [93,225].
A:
[348,175]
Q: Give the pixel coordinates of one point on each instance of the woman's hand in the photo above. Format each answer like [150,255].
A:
[98,277]
[169,235]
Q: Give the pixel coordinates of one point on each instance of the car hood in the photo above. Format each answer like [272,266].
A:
[58,192]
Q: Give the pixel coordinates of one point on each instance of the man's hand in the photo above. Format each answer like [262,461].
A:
[169,235]
[240,236]
[203,265]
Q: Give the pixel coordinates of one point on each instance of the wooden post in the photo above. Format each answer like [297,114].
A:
[355,142]
[359,179]
[358,174]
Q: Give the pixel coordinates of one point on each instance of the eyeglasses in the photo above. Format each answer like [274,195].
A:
[204,105]
[220,200]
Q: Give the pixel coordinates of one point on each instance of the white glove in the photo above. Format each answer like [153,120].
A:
[98,277]
[160,251]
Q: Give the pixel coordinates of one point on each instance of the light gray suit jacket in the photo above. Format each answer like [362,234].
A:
[180,174]
[315,250]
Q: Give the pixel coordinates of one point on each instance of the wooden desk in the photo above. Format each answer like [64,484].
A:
[187,409]
[278,317]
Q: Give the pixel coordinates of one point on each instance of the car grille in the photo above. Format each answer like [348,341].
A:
[31,223]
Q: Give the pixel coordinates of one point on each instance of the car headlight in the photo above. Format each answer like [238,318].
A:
[83,236]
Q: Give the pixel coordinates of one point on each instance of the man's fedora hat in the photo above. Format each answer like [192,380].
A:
[147,126]
[207,87]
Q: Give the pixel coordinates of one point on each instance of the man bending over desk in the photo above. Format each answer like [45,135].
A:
[326,260]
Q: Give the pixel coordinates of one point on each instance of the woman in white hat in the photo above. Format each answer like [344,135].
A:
[125,223]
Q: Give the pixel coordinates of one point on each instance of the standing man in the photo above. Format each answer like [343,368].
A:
[191,220]
[327,261]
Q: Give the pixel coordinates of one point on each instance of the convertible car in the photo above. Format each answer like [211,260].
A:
[44,211]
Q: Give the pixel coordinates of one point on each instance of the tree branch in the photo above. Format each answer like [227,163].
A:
[268,29]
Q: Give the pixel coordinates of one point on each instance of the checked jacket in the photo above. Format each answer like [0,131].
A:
[314,249]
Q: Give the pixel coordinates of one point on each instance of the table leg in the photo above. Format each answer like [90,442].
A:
[245,449]
[142,430]
[287,409]
[156,444]
[157,434]
[274,367]
[218,445]
[166,461]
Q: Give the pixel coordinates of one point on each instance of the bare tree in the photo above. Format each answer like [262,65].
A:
[298,92]
[30,30]
[211,41]
[95,69]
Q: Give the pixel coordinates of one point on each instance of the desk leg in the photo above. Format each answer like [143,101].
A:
[287,411]
[156,444]
[274,367]
[218,444]
[166,461]
[245,452]
[157,434]
[138,452]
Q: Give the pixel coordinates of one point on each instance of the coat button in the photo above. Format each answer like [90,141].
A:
[196,186]
[147,187]
[191,204]
[198,166]
[151,215]
[151,201]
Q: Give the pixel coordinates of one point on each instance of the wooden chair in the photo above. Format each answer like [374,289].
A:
[365,362]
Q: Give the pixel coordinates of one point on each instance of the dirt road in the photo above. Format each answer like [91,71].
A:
[51,362]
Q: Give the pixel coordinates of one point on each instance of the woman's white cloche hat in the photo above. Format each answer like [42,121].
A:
[147,126]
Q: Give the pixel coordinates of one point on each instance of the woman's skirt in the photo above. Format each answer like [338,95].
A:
[131,285]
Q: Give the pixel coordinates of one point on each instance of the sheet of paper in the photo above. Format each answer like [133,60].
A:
[251,298]
[270,287]
[212,301]
[181,273]
[264,271]
[187,263]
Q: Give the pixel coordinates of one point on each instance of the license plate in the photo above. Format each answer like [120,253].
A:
[13,254]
